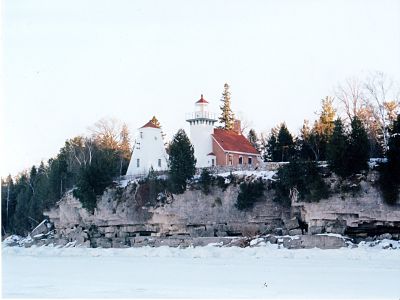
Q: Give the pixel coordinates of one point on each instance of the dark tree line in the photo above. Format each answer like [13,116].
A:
[85,164]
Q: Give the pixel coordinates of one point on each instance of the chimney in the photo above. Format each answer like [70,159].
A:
[236,127]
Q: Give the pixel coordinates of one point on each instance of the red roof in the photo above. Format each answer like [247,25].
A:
[202,100]
[149,124]
[229,140]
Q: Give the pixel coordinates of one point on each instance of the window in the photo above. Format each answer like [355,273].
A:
[141,135]
[250,160]
[159,162]
[212,162]
[240,160]
[230,160]
[138,163]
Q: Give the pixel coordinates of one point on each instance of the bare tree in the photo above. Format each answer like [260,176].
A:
[383,98]
[80,150]
[351,97]
[245,123]
[106,132]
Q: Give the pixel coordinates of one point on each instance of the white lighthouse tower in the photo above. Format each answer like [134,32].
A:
[201,128]
[148,150]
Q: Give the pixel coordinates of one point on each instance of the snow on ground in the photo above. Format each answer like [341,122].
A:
[202,272]
[258,174]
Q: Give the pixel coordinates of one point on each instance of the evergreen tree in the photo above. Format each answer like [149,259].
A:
[253,139]
[21,222]
[316,139]
[8,203]
[303,143]
[389,179]
[125,151]
[205,181]
[305,178]
[285,144]
[358,147]
[40,193]
[227,117]
[182,163]
[59,179]
[270,149]
[337,152]
[95,177]
[393,153]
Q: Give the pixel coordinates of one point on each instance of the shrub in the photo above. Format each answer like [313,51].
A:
[305,178]
[249,193]
[205,181]
[221,183]
[149,189]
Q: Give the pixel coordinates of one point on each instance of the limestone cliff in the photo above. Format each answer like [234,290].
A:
[122,216]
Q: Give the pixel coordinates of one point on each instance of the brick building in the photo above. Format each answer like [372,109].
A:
[218,147]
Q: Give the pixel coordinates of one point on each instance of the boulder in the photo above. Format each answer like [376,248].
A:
[292,243]
[292,223]
[295,232]
[42,228]
[271,238]
[385,236]
[314,241]
[204,241]
[119,243]
[315,229]
[101,243]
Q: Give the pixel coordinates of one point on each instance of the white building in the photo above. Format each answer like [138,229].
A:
[201,129]
[148,150]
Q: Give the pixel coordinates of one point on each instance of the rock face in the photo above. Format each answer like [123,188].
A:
[124,219]
[362,215]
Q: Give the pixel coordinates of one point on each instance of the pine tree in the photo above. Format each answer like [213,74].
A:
[285,143]
[40,195]
[8,203]
[95,177]
[326,118]
[322,130]
[337,152]
[393,153]
[21,222]
[182,163]
[389,178]
[304,146]
[253,139]
[124,148]
[271,152]
[358,147]
[227,117]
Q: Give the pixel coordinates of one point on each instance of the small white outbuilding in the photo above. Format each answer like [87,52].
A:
[148,150]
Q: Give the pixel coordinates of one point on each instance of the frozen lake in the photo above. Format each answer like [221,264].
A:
[202,272]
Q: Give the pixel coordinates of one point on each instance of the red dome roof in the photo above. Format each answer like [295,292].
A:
[202,100]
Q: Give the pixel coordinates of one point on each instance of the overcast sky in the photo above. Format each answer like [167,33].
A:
[67,64]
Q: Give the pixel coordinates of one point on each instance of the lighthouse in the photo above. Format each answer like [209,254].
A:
[201,129]
[148,150]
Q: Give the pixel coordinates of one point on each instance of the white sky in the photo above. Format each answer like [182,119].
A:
[66,64]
